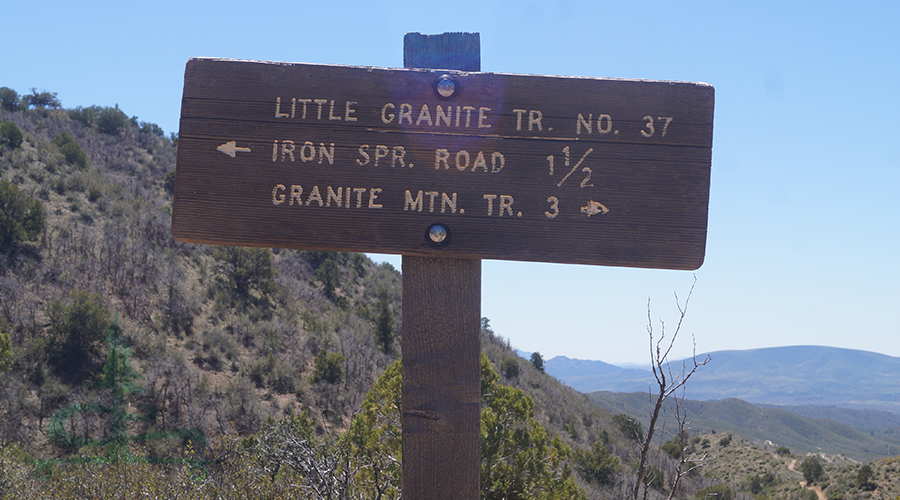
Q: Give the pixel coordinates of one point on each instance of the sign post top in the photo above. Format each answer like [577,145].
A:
[514,167]
[460,51]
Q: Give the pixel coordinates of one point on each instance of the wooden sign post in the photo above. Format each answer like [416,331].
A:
[441,416]
[445,165]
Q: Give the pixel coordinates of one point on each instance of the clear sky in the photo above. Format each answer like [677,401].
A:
[805,197]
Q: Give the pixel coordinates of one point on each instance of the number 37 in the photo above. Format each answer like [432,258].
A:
[650,130]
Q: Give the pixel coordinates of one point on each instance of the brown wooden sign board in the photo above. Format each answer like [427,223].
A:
[517,167]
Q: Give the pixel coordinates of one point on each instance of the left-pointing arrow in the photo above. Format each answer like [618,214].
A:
[230,148]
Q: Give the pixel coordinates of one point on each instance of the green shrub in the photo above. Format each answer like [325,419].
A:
[328,367]
[11,134]
[152,128]
[725,441]
[673,448]
[864,478]
[597,465]
[510,368]
[9,99]
[70,149]
[812,470]
[87,116]
[111,120]
[77,330]
[22,218]
[74,155]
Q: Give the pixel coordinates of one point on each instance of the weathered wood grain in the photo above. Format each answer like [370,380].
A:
[441,378]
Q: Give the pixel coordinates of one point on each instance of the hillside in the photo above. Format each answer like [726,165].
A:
[222,337]
[127,347]
[218,344]
[787,376]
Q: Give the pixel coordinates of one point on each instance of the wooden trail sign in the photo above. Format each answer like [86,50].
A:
[515,167]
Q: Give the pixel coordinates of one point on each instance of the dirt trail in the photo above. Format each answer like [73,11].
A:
[819,492]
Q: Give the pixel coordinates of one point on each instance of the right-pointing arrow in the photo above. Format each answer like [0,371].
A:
[230,148]
[594,208]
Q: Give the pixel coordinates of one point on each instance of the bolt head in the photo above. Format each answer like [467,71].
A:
[446,88]
[438,233]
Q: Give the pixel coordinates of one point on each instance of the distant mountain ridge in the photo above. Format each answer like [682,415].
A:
[793,376]
[859,434]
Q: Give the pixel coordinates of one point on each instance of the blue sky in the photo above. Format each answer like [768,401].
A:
[803,218]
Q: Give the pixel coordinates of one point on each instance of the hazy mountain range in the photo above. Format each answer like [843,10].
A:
[858,434]
[794,376]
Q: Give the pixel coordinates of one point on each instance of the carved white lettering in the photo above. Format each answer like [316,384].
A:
[278,113]
[490,199]
[331,112]
[307,152]
[405,112]
[385,116]
[359,192]
[326,153]
[480,162]
[441,156]
[431,195]
[447,201]
[534,118]
[604,123]
[287,148]
[320,102]
[588,124]
[468,110]
[411,203]
[296,193]
[314,196]
[348,111]
[498,161]
[380,152]
[363,151]
[339,197]
[397,154]
[505,205]
[331,195]
[277,198]
[462,165]
[463,159]
[372,196]
[506,202]
[482,118]
[304,102]
[439,115]
[424,115]
[519,113]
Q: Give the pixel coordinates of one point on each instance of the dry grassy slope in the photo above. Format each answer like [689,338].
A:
[738,462]
[108,233]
